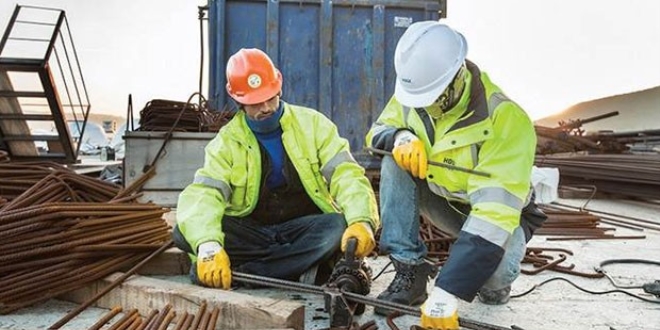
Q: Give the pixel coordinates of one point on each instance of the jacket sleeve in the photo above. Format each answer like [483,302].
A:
[496,202]
[202,204]
[382,132]
[348,185]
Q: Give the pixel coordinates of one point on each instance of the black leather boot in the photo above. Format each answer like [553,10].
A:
[408,286]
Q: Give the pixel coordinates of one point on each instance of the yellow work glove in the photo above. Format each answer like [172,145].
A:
[440,311]
[410,154]
[213,267]
[365,239]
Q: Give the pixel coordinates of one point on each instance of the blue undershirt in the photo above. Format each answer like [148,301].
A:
[269,134]
[272,142]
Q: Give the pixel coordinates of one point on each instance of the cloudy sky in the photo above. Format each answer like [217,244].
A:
[546,55]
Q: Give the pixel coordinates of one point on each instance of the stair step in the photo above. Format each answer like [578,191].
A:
[20,64]
[26,117]
[21,94]
[10,138]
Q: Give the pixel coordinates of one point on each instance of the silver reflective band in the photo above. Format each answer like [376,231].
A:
[329,168]
[487,230]
[221,186]
[496,195]
[495,100]
[441,191]
[379,128]
[474,150]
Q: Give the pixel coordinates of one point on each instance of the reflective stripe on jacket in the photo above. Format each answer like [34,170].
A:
[487,132]
[229,181]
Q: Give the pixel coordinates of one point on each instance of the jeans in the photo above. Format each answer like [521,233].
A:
[282,251]
[404,198]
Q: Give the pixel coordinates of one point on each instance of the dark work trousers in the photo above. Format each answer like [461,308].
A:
[282,251]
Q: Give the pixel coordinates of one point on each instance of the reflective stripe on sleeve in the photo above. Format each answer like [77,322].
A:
[486,230]
[221,186]
[329,168]
[496,195]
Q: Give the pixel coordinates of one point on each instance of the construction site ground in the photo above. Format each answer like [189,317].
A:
[555,305]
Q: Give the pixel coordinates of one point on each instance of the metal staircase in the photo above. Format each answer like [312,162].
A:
[42,92]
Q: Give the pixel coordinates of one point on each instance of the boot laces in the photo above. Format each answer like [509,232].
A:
[402,281]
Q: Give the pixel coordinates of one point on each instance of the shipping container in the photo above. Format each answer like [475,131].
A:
[335,56]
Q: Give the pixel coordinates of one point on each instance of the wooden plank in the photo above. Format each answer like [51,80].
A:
[237,310]
[10,105]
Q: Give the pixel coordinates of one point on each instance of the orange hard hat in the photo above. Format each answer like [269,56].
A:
[252,77]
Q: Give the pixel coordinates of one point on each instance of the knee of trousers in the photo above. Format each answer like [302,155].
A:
[507,272]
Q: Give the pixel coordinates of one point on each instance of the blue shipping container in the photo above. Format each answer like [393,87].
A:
[335,56]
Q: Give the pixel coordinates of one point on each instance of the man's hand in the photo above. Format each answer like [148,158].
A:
[410,154]
[213,266]
[440,311]
[365,238]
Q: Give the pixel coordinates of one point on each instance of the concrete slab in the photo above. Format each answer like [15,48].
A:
[237,310]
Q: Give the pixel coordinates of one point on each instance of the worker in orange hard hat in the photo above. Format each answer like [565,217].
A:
[279,193]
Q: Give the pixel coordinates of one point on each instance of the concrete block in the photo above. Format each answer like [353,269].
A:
[237,310]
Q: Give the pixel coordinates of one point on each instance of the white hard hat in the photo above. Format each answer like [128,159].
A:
[426,59]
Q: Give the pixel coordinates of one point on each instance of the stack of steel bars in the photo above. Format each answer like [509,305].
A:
[566,224]
[160,115]
[161,319]
[4,157]
[16,178]
[68,230]
[631,175]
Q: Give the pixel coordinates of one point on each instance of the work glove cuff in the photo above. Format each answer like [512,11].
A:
[403,137]
[208,249]
[440,304]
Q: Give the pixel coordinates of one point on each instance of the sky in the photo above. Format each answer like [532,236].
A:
[545,55]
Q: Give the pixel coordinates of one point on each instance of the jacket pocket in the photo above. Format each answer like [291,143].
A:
[239,189]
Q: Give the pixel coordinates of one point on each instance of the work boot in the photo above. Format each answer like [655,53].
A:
[408,286]
[495,297]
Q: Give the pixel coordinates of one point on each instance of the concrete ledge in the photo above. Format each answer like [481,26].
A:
[237,310]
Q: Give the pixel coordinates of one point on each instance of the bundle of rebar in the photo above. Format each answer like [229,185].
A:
[564,224]
[4,157]
[68,230]
[160,115]
[630,175]
[161,319]
[16,178]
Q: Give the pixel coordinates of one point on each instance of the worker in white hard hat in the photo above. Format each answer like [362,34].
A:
[446,110]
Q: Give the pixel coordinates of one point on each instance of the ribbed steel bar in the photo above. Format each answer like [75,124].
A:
[106,318]
[107,289]
[301,287]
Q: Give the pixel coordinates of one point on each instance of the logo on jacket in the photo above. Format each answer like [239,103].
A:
[449,161]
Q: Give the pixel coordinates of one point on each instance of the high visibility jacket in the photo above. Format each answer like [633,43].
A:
[229,181]
[486,132]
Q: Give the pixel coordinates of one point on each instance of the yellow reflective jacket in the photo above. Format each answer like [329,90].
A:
[486,132]
[229,181]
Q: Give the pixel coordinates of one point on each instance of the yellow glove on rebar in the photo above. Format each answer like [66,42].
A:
[440,311]
[213,266]
[365,238]
[410,154]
